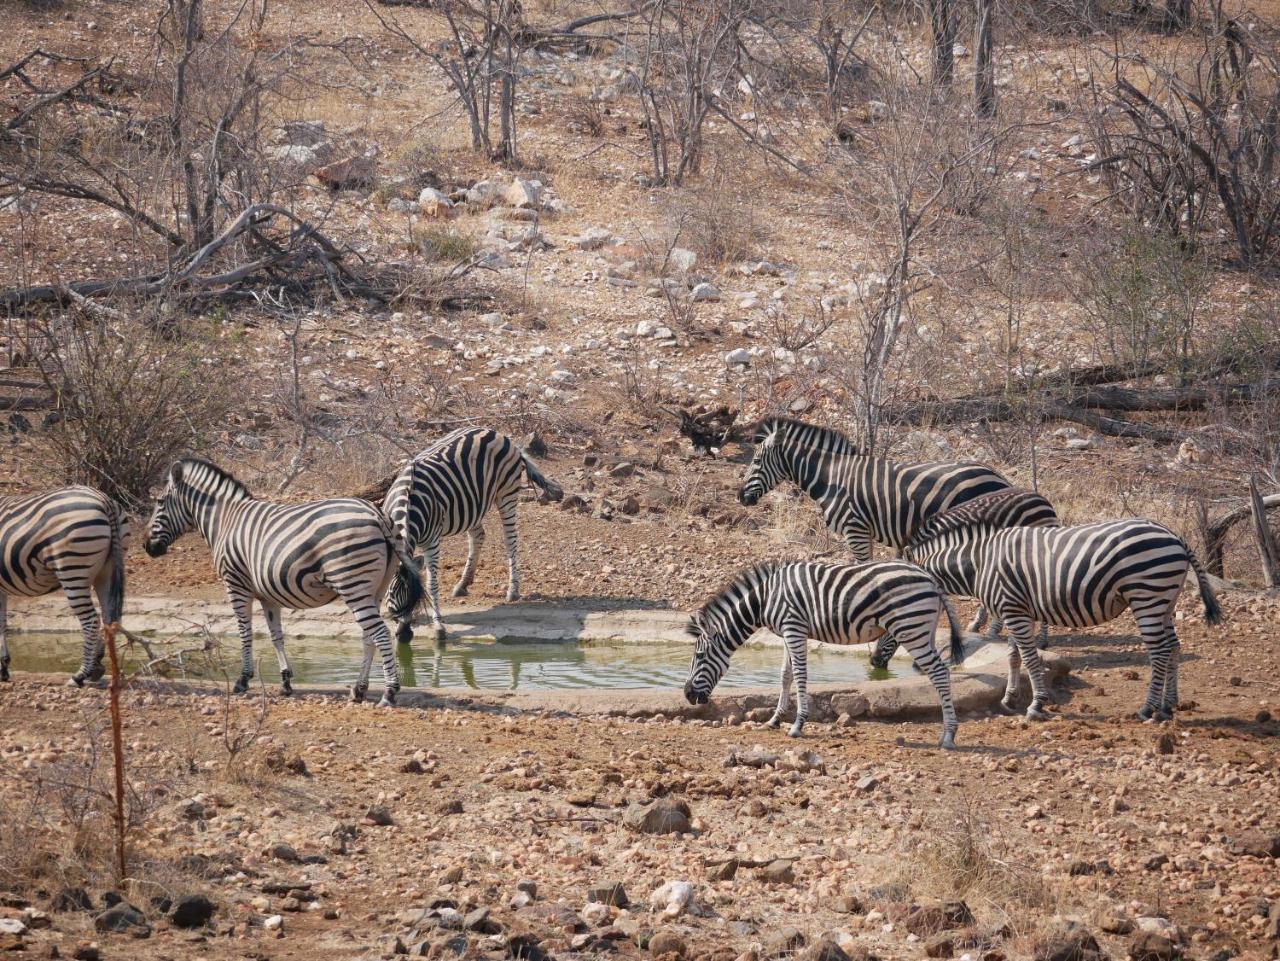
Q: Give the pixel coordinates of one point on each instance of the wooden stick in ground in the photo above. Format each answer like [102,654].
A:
[1262,531]
[117,747]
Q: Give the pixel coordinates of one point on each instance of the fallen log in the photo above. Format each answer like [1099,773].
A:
[1215,532]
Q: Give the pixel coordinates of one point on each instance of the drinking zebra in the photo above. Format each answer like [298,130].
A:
[448,489]
[295,556]
[1078,576]
[73,538]
[952,568]
[831,603]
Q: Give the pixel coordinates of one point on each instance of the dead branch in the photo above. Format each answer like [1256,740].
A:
[1267,552]
[1215,532]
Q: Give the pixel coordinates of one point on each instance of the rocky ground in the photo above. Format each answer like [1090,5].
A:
[329,830]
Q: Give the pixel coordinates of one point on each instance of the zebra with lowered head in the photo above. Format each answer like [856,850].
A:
[1079,576]
[830,603]
[72,538]
[447,489]
[295,556]
[953,568]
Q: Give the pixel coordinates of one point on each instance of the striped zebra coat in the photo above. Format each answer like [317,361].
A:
[296,556]
[1079,576]
[446,490]
[953,569]
[71,538]
[832,603]
[863,499]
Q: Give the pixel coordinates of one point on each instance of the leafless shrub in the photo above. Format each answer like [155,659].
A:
[587,117]
[130,399]
[1195,145]
[718,218]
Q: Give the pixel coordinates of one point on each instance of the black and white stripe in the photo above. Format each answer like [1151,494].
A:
[1077,577]
[952,566]
[72,538]
[832,603]
[295,556]
[863,499]
[447,489]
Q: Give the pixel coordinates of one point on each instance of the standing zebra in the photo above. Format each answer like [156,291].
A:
[295,556]
[72,538]
[863,499]
[1079,576]
[448,489]
[952,568]
[831,603]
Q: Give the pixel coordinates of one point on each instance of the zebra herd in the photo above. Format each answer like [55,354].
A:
[960,528]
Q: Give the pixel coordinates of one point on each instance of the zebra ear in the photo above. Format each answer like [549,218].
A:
[692,628]
[175,472]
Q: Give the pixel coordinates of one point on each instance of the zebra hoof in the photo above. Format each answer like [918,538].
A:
[513,596]
[358,692]
[796,729]
[440,634]
[1006,705]
[1146,713]
[948,742]
[775,721]
[389,697]
[97,674]
[75,680]
[241,685]
[404,633]
[4,669]
[461,590]
[1035,714]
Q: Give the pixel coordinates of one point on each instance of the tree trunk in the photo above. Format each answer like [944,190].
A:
[1177,13]
[984,78]
[1267,551]
[944,41]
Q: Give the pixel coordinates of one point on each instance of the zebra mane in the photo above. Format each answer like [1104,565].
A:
[180,473]
[814,436]
[752,573]
[984,511]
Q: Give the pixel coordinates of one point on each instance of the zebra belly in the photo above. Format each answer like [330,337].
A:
[37,582]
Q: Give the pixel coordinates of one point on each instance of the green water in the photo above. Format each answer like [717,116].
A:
[471,662]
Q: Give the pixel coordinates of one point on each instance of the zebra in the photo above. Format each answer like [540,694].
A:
[831,603]
[295,556]
[448,489]
[1079,576]
[73,538]
[953,569]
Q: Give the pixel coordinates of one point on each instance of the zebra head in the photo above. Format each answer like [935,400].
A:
[721,627]
[767,469]
[191,492]
[884,650]
[172,516]
[710,659]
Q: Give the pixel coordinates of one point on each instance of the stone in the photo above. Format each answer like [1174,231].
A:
[274,922]
[1258,844]
[1165,743]
[663,816]
[1114,921]
[379,816]
[622,470]
[593,239]
[285,852]
[71,899]
[353,172]
[940,946]
[1068,943]
[595,914]
[630,505]
[705,293]
[1151,946]
[484,193]
[12,926]
[673,898]
[854,705]
[480,922]
[787,941]
[452,876]
[824,950]
[611,893]
[120,917]
[738,357]
[866,784]
[778,871]
[681,260]
[302,133]
[525,947]
[667,943]
[723,872]
[436,205]
[523,193]
[87,951]
[192,911]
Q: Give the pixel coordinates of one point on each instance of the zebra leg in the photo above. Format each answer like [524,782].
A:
[1042,641]
[431,555]
[924,652]
[375,635]
[1171,680]
[1019,628]
[994,630]
[798,655]
[4,639]
[1013,681]
[979,621]
[784,695]
[475,541]
[272,613]
[91,655]
[242,605]
[508,511]
[1161,642]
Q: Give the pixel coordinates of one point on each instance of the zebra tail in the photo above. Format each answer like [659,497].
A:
[1212,609]
[113,602]
[549,487]
[957,640]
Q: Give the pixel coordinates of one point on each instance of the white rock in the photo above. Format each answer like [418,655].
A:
[645,328]
[738,356]
[523,193]
[12,926]
[433,203]
[959,50]
[672,898]
[273,923]
[484,193]
[682,260]
[595,913]
[1074,140]
[705,293]
[1081,443]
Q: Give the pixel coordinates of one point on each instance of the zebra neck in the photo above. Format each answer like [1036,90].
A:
[209,513]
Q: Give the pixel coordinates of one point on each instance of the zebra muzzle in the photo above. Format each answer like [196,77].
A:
[155,548]
[694,696]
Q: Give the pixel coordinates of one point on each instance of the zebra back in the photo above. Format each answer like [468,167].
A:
[792,432]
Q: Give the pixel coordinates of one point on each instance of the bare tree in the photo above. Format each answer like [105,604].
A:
[984,79]
[942,21]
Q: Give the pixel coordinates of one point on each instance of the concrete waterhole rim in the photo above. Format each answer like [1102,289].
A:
[976,687]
